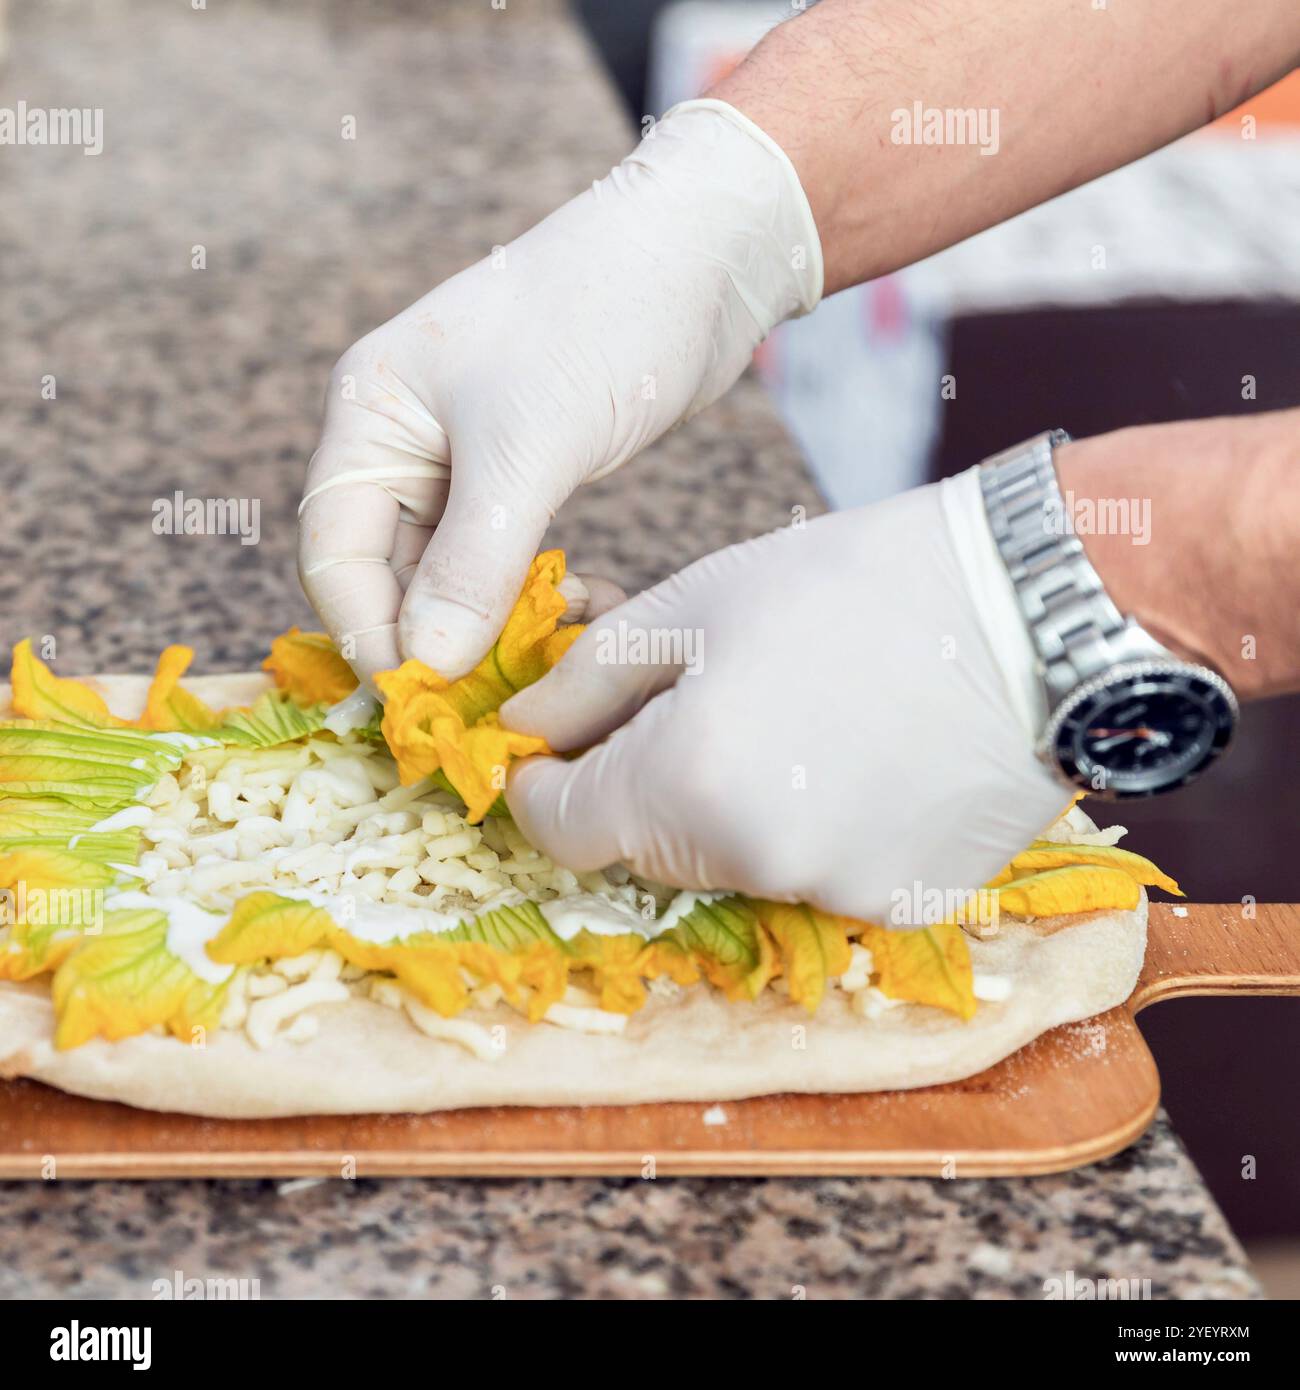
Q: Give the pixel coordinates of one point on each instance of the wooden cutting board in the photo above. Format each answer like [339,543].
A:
[1076,1095]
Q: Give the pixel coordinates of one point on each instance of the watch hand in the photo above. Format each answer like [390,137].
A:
[1110,737]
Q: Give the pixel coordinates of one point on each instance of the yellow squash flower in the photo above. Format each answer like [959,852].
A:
[308,667]
[125,981]
[169,708]
[50,897]
[433,724]
[925,965]
[39,694]
[1044,854]
[813,946]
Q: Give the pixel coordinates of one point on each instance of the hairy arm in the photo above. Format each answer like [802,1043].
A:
[1077,91]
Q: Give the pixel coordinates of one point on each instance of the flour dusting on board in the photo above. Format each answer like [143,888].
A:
[1087,1040]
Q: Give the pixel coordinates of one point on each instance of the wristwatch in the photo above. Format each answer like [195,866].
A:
[1126,717]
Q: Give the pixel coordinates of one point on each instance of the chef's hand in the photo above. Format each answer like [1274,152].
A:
[454,431]
[833,714]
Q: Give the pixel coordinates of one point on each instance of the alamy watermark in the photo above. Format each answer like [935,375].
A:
[179,515]
[1099,516]
[1071,1287]
[919,124]
[919,906]
[50,125]
[178,1288]
[32,905]
[625,645]
[77,1342]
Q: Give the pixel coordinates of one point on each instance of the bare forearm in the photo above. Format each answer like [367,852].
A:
[1195,528]
[1059,93]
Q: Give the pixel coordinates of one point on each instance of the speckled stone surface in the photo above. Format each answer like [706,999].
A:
[1142,1216]
[222,130]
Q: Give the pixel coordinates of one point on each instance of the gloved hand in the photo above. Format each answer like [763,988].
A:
[454,431]
[861,721]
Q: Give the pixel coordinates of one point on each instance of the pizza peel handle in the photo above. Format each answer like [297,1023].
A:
[1219,948]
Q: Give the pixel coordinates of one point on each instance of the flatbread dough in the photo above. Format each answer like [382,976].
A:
[694,1046]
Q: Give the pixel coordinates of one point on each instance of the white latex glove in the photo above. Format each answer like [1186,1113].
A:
[479,409]
[862,720]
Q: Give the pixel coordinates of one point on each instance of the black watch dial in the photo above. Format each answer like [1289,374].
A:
[1139,733]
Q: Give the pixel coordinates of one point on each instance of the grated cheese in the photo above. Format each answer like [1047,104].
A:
[327,821]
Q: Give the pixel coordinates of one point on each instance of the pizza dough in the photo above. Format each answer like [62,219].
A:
[692,1046]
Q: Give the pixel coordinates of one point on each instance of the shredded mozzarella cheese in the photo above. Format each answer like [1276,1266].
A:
[858,975]
[267,1015]
[473,1037]
[585,1020]
[329,818]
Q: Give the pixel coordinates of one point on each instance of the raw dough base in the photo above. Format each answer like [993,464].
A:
[695,1046]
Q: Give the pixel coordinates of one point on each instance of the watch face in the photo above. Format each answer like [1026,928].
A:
[1137,733]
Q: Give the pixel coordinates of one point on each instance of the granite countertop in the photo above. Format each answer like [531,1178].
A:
[222,130]
[1143,1215]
